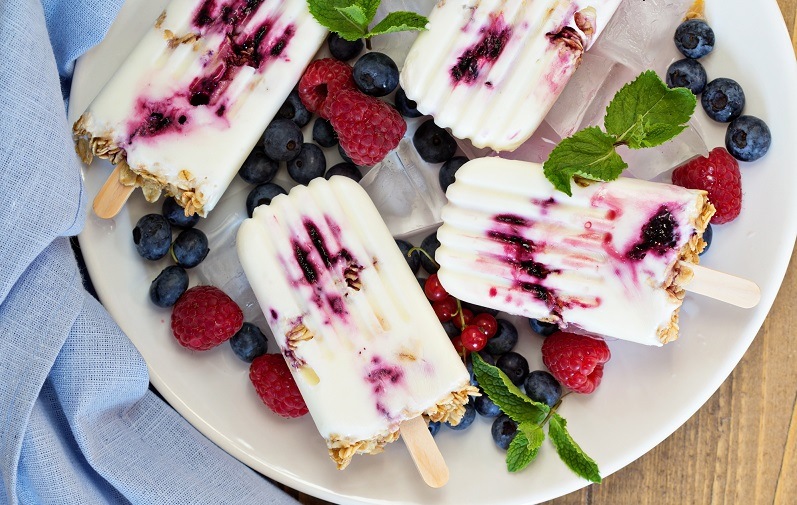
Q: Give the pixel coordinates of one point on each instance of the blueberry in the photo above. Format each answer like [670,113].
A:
[258,168]
[542,387]
[344,155]
[249,343]
[503,430]
[309,164]
[413,259]
[487,358]
[542,328]
[345,169]
[190,248]
[434,427]
[375,74]
[429,244]
[405,106]
[723,100]
[168,286]
[434,144]
[467,417]
[707,236]
[342,49]
[294,109]
[262,195]
[514,366]
[485,407]
[152,236]
[449,170]
[323,133]
[687,73]
[694,38]
[747,138]
[451,329]
[504,339]
[175,214]
[282,140]
[478,309]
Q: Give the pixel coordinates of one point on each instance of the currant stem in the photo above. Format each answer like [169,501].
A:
[422,251]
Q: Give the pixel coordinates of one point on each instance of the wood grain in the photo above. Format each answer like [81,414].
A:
[741,446]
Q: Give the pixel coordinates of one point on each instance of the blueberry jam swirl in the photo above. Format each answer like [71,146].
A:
[315,259]
[383,378]
[658,236]
[242,45]
[486,51]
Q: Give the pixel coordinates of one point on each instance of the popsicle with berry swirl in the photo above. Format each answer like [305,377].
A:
[190,102]
[608,261]
[491,69]
[365,347]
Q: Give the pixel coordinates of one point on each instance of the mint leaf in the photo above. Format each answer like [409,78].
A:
[398,22]
[355,15]
[350,18]
[646,113]
[570,452]
[589,153]
[506,395]
[332,15]
[524,447]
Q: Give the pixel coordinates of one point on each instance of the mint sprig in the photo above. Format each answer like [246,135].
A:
[643,113]
[531,417]
[351,18]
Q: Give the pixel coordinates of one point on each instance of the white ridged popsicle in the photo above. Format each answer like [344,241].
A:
[491,69]
[191,101]
[362,341]
[605,261]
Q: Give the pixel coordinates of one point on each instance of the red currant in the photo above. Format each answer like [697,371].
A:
[486,323]
[458,345]
[433,289]
[445,308]
[473,338]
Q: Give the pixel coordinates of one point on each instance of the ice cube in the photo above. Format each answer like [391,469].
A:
[640,33]
[397,44]
[537,148]
[221,267]
[405,190]
[568,112]
[656,163]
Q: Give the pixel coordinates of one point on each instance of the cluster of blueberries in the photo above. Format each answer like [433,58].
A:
[539,385]
[747,138]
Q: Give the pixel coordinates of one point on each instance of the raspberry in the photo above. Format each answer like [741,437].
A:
[367,127]
[322,79]
[275,386]
[204,317]
[718,175]
[575,360]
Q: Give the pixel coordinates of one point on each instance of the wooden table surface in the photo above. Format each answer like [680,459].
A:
[741,446]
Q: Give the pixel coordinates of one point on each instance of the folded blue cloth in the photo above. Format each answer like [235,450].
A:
[78,424]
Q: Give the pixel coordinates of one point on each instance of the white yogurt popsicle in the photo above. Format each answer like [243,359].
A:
[491,69]
[190,102]
[605,261]
[359,336]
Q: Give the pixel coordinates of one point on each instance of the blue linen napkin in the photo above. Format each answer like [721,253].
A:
[77,421]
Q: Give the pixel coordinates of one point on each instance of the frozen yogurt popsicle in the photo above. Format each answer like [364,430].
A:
[190,102]
[609,260]
[360,338]
[491,69]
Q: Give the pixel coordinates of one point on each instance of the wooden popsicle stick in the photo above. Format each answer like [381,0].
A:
[723,287]
[112,196]
[424,451]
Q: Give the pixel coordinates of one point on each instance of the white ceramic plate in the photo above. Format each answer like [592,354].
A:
[646,394]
